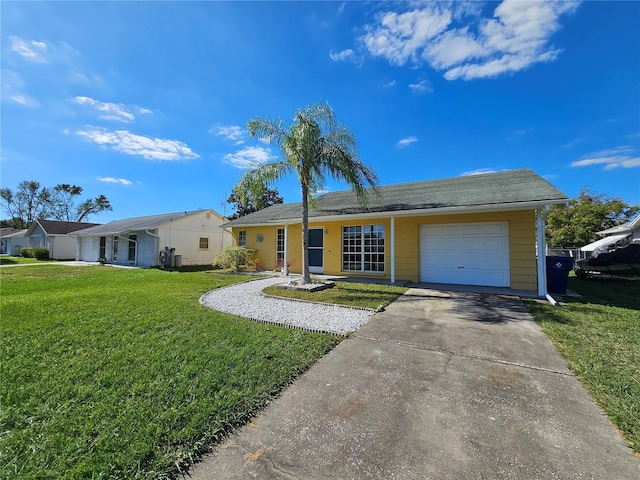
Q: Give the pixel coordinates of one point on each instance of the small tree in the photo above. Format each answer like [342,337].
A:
[576,223]
[63,204]
[315,145]
[249,201]
[30,201]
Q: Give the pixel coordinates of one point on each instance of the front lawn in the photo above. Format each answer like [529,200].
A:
[599,336]
[368,295]
[114,373]
[8,260]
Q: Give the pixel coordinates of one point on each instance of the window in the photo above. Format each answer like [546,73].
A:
[280,248]
[242,238]
[103,248]
[204,243]
[115,248]
[363,248]
[133,243]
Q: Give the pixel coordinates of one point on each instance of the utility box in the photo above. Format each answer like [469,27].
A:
[558,269]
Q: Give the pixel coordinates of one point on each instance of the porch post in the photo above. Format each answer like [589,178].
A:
[393,249]
[542,251]
[285,268]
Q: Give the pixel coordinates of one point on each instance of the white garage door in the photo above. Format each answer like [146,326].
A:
[465,253]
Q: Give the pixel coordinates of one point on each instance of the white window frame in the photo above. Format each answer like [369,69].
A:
[363,248]
[242,238]
[280,250]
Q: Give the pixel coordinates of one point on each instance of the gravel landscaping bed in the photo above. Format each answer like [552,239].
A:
[245,300]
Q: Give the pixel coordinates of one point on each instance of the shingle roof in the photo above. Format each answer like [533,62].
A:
[491,190]
[57,227]
[137,223]
[19,233]
[627,227]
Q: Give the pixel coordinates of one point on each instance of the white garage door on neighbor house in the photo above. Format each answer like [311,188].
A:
[465,253]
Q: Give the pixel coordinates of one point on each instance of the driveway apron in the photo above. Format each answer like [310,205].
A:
[441,385]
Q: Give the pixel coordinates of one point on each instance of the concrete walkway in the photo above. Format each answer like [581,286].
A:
[443,385]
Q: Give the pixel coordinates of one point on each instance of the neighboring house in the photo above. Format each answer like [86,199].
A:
[12,240]
[54,235]
[618,236]
[4,232]
[196,236]
[471,230]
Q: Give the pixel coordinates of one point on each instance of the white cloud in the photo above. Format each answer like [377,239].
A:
[13,90]
[24,99]
[422,86]
[466,45]
[480,171]
[346,55]
[343,55]
[110,111]
[249,157]
[405,142]
[122,181]
[122,141]
[401,37]
[389,84]
[33,51]
[233,133]
[619,157]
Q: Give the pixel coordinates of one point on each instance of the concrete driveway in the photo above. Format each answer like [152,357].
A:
[442,385]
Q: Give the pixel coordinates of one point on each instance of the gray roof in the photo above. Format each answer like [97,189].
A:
[19,233]
[626,227]
[137,224]
[58,227]
[492,191]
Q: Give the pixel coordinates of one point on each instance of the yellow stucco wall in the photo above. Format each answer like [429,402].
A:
[522,235]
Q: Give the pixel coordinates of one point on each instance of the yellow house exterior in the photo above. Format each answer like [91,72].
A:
[481,242]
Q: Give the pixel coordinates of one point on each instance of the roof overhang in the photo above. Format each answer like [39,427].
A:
[603,242]
[409,213]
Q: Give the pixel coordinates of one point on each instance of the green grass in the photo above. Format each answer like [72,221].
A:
[599,336]
[366,295]
[7,260]
[112,373]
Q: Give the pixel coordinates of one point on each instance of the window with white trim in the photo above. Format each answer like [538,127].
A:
[280,247]
[103,248]
[242,238]
[363,248]
[133,247]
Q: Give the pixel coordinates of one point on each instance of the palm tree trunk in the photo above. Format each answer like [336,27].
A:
[306,276]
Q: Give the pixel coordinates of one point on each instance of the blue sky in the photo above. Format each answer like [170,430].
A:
[146,102]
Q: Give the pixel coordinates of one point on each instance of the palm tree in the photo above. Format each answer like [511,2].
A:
[313,147]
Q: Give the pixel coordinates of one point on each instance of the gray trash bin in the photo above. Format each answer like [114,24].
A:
[177,261]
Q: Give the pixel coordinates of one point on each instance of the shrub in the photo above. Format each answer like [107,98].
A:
[41,253]
[235,257]
[27,252]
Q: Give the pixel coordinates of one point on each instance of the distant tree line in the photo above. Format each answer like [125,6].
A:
[31,201]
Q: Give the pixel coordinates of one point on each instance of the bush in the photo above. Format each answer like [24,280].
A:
[238,258]
[41,253]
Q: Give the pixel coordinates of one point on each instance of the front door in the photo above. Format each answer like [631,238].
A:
[316,247]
